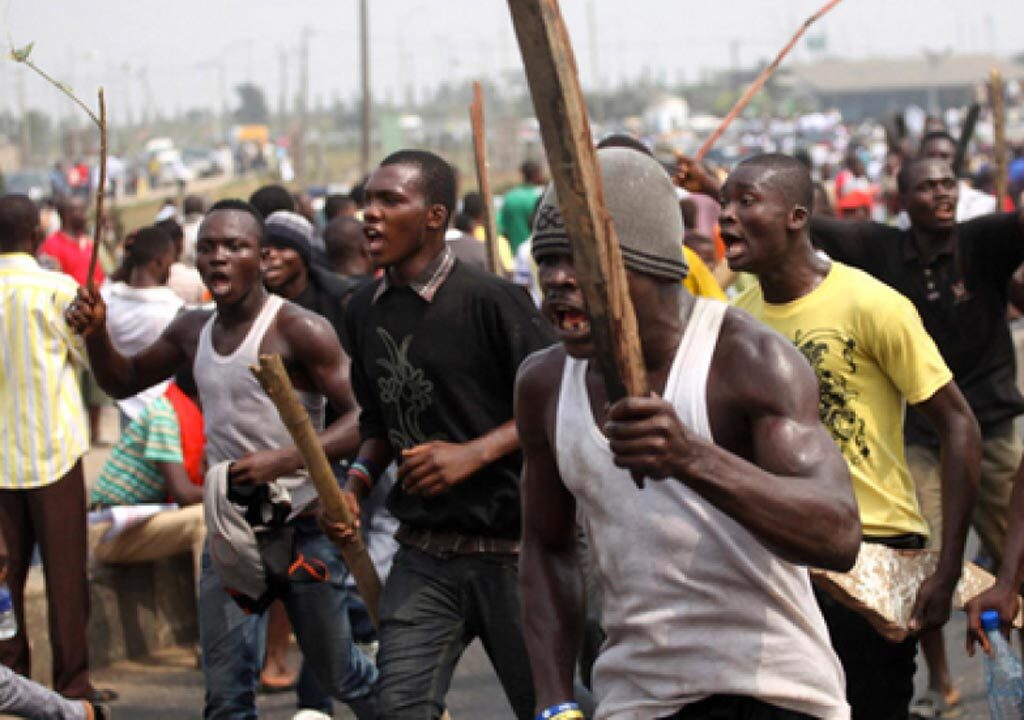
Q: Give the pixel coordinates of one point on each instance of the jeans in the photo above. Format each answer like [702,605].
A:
[232,642]
[431,609]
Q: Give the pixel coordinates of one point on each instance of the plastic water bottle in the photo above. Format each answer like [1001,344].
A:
[8,622]
[1002,673]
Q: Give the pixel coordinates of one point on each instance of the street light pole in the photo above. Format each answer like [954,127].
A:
[364,67]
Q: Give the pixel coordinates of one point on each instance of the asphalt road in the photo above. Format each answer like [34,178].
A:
[168,687]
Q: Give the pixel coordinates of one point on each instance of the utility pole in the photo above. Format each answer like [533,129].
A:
[364,71]
[26,130]
[282,100]
[300,133]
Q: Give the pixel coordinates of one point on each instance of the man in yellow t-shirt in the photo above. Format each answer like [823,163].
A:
[871,354]
[699,280]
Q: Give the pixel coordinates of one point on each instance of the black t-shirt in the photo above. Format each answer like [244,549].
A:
[445,370]
[961,295]
[326,294]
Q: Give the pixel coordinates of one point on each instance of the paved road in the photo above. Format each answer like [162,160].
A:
[168,687]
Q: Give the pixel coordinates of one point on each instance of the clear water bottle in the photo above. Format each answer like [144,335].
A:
[1003,679]
[8,622]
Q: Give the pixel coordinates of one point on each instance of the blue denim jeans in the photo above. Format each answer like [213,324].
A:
[232,642]
[431,609]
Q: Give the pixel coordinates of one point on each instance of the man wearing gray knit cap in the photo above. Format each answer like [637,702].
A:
[707,604]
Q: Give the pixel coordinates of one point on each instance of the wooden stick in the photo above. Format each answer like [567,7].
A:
[483,178]
[995,88]
[275,382]
[100,191]
[565,128]
[760,81]
[964,141]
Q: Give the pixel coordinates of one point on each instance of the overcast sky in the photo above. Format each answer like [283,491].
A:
[175,52]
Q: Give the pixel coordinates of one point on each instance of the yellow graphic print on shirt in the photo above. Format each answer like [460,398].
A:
[835,400]
[870,354]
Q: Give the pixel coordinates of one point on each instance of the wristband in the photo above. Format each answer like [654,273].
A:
[561,711]
[358,470]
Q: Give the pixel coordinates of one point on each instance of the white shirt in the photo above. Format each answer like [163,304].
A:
[135,319]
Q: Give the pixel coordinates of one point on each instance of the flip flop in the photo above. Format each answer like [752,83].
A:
[98,696]
[933,705]
[270,686]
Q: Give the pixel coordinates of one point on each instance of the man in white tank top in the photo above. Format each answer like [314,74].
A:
[707,608]
[243,427]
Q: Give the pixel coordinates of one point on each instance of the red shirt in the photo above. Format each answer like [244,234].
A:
[72,255]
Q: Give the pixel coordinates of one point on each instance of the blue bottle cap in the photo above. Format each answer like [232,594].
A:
[990,620]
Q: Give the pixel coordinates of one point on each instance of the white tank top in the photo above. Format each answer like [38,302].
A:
[693,604]
[238,416]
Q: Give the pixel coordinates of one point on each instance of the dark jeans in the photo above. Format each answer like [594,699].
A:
[54,517]
[734,707]
[431,609]
[231,641]
[879,673]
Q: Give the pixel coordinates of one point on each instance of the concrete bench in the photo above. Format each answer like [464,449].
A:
[135,610]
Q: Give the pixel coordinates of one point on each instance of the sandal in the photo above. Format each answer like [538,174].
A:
[934,705]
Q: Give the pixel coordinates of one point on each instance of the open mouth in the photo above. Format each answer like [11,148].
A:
[945,211]
[374,239]
[572,321]
[734,246]
[218,281]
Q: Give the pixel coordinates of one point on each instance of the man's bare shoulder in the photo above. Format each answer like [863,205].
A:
[187,325]
[541,372]
[758,366]
[300,326]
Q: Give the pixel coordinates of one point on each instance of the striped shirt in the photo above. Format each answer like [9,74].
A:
[43,432]
[131,476]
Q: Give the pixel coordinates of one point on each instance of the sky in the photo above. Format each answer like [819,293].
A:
[180,54]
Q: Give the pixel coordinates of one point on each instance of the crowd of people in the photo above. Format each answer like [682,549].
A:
[643,558]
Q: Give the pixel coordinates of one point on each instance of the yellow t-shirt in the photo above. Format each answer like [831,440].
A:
[870,351]
[504,249]
[700,281]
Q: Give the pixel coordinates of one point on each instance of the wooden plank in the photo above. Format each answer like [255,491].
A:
[995,88]
[483,178]
[274,380]
[565,129]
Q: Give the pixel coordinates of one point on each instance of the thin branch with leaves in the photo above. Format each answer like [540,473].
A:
[22,55]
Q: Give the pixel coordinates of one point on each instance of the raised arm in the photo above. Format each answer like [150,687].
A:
[960,442]
[120,375]
[791,487]
[550,580]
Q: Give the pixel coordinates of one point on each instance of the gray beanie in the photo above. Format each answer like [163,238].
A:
[644,209]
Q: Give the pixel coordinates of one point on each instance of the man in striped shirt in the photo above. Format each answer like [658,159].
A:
[42,439]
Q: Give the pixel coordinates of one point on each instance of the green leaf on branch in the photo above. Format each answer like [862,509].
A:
[21,55]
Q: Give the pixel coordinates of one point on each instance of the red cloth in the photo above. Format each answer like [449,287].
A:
[190,427]
[72,255]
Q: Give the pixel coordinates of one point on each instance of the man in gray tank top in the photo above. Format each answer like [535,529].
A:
[243,427]
[708,610]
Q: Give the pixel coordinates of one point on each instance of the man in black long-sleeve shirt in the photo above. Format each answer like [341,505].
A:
[435,347]
[957,275]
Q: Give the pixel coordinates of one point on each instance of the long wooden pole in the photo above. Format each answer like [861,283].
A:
[760,81]
[100,192]
[565,129]
[273,377]
[995,86]
[483,177]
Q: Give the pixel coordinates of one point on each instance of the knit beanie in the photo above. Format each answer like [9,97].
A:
[288,229]
[644,210]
